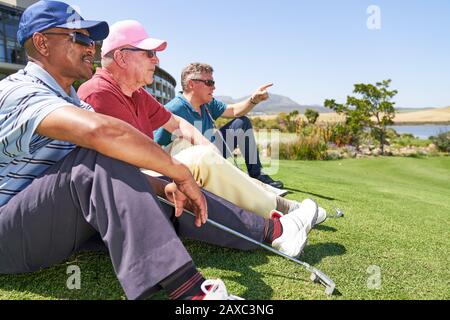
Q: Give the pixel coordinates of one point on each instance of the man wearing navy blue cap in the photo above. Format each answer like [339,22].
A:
[44,15]
[67,174]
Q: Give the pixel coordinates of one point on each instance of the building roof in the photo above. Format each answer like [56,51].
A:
[19,4]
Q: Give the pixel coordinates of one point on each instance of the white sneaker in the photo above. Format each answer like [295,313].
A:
[296,226]
[217,291]
[321,216]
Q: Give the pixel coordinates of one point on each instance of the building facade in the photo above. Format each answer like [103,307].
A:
[12,56]
[163,87]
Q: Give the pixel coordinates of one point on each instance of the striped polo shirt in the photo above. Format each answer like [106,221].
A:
[26,98]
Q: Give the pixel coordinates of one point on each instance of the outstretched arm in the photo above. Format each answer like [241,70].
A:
[119,140]
[242,108]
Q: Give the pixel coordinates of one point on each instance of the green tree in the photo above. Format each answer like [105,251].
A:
[372,109]
[311,115]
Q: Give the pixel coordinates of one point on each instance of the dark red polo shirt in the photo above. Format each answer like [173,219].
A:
[142,110]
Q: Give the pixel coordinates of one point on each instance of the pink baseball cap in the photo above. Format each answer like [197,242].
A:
[130,32]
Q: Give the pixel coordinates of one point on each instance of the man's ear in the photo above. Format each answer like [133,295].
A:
[190,85]
[119,59]
[40,44]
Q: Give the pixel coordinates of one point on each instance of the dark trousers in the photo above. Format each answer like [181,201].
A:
[87,194]
[239,133]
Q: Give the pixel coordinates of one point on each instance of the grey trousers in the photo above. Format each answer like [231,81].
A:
[87,194]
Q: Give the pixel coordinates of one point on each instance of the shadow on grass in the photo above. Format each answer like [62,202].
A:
[239,266]
[325,228]
[98,281]
[314,253]
[312,194]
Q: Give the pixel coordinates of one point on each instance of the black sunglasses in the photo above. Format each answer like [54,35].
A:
[209,83]
[77,37]
[150,53]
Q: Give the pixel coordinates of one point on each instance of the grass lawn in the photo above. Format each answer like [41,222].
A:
[397,221]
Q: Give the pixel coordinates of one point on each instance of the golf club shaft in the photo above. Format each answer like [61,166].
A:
[228,148]
[324,279]
[222,138]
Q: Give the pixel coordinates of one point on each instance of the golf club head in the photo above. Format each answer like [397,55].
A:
[339,213]
[319,277]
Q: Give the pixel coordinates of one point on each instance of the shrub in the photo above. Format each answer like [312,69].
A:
[309,145]
[408,140]
[305,148]
[311,115]
[442,141]
[341,135]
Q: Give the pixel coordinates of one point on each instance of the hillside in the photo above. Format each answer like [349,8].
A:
[276,104]
[412,117]
[424,116]
[416,117]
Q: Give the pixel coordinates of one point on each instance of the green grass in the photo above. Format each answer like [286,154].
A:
[397,217]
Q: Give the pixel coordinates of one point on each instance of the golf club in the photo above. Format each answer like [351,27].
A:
[222,138]
[317,276]
[337,215]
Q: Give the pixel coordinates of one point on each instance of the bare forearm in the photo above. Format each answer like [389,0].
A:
[242,108]
[137,149]
[111,137]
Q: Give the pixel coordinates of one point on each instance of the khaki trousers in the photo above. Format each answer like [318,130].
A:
[216,175]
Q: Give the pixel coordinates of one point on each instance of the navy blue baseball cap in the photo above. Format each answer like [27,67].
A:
[44,15]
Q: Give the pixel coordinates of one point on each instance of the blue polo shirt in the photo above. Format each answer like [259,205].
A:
[182,108]
[26,98]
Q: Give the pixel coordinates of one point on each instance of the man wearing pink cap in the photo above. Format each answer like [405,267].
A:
[129,59]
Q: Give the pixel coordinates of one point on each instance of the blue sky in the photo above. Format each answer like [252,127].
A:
[311,50]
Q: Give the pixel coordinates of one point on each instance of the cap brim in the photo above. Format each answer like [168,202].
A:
[98,30]
[151,44]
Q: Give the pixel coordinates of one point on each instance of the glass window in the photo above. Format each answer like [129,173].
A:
[2,38]
[2,48]
[11,26]
[10,50]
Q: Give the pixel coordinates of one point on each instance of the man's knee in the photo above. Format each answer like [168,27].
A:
[244,123]
[207,156]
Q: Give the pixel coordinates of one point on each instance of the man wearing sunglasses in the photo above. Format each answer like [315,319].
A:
[197,104]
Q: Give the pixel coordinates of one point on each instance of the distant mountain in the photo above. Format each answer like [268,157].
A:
[276,104]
